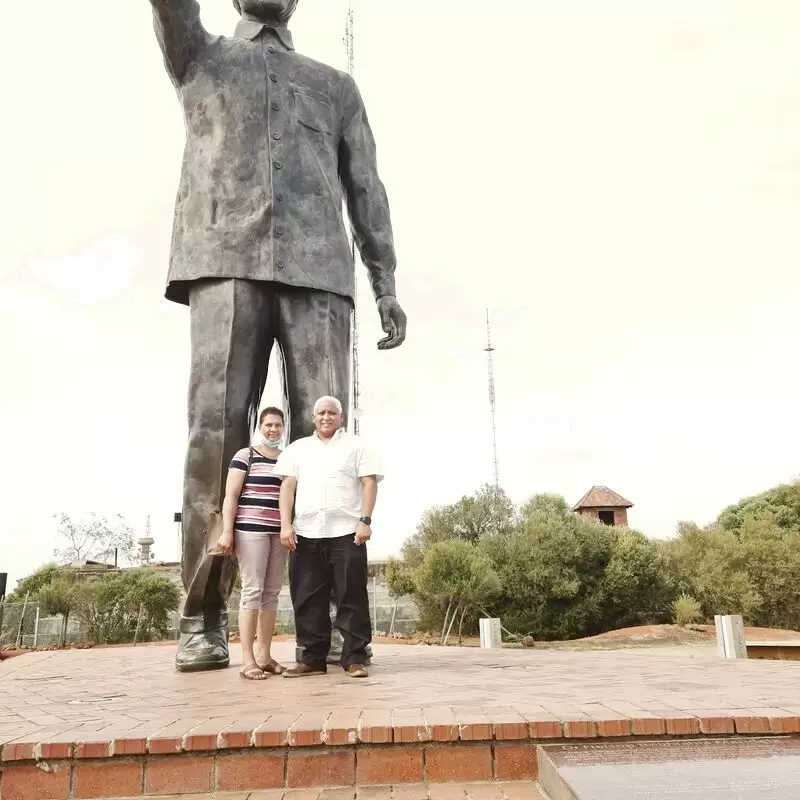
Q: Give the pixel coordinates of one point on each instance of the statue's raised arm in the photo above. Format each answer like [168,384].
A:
[180,34]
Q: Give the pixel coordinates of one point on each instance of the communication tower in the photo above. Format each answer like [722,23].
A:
[355,411]
[490,364]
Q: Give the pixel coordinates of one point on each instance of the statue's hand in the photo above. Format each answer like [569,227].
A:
[393,322]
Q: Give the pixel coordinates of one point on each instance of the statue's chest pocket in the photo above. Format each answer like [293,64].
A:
[313,111]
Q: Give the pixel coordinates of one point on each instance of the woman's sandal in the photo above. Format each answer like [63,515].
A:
[273,668]
[252,672]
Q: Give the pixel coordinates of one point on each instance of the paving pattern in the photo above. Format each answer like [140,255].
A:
[115,701]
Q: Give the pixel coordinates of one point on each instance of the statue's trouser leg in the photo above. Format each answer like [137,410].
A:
[337,643]
[337,640]
[231,339]
[314,334]
[313,331]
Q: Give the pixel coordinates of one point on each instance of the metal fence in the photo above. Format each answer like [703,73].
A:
[23,625]
[32,628]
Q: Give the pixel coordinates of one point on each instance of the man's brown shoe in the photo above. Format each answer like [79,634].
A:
[357,671]
[301,671]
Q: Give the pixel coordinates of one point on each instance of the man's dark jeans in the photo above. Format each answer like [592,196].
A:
[321,570]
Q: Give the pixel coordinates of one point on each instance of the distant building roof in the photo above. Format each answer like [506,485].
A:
[601,497]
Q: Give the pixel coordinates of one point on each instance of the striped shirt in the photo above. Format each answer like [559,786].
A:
[258,503]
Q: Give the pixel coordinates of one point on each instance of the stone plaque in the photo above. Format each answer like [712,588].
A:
[720,636]
[734,636]
[711,769]
[491,633]
[730,636]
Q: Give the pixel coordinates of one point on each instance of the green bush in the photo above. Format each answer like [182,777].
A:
[458,579]
[711,565]
[127,605]
[565,577]
[61,596]
[562,576]
[32,584]
[399,579]
[686,610]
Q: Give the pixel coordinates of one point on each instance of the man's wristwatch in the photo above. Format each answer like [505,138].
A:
[366,520]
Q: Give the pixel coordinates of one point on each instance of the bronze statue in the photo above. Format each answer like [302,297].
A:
[274,143]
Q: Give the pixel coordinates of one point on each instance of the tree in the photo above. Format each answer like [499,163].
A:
[551,573]
[545,504]
[33,583]
[400,582]
[488,511]
[781,504]
[95,539]
[565,576]
[637,585]
[710,564]
[771,556]
[458,577]
[61,597]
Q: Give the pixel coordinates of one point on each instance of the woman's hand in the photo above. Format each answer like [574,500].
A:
[288,539]
[225,543]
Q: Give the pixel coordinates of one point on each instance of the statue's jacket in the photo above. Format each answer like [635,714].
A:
[275,142]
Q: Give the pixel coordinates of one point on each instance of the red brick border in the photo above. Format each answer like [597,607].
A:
[389,765]
[439,725]
[458,763]
[515,762]
[255,768]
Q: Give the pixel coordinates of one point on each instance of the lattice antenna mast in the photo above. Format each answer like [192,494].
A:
[490,365]
[349,43]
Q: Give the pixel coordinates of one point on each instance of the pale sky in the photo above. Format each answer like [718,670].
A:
[618,182]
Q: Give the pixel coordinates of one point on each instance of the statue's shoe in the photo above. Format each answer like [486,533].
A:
[203,651]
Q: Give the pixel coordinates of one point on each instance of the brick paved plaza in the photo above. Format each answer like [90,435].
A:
[135,693]
[124,716]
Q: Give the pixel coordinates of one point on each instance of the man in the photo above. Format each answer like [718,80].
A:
[330,482]
[275,142]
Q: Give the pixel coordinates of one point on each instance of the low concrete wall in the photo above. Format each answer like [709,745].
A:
[47,630]
[382,606]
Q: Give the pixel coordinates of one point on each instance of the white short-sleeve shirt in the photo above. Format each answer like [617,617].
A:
[328,500]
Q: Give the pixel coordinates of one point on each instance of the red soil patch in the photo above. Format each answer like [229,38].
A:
[644,632]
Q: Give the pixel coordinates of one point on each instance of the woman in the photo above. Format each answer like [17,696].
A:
[252,526]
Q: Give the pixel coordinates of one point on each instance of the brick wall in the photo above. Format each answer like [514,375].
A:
[621,517]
